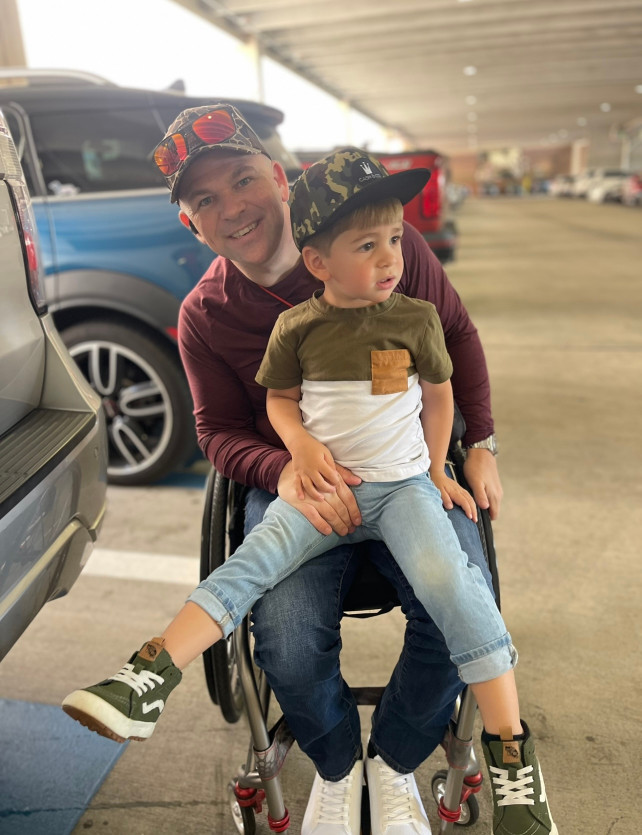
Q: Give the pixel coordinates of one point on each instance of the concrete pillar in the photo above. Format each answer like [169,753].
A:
[579,155]
[625,153]
[12,53]
[252,49]
[346,110]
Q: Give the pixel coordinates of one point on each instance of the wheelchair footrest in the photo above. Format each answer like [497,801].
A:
[270,762]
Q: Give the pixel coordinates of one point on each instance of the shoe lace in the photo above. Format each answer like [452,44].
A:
[396,795]
[514,792]
[141,682]
[334,805]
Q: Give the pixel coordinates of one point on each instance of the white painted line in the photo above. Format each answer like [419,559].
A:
[137,565]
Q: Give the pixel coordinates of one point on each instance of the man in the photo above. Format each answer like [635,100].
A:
[234,198]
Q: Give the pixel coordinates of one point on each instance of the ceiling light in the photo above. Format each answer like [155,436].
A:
[581,122]
[605,107]
[470,70]
[638,88]
[471,100]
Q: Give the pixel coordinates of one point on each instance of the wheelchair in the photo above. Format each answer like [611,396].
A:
[237,686]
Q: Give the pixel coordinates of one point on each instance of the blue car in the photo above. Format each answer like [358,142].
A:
[117,261]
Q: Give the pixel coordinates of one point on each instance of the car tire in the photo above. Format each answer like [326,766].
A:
[145,397]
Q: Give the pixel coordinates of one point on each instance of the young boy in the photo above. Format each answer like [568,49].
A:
[358,375]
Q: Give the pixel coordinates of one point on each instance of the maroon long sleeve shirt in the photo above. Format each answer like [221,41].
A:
[223,331]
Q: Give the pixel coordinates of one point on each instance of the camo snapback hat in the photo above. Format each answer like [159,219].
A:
[341,182]
[200,129]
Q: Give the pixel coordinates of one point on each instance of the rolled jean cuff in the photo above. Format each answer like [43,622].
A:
[491,662]
[215,607]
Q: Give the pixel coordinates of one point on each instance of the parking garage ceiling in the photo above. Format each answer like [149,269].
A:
[460,74]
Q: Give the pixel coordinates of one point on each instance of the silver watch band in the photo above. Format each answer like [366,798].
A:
[489,443]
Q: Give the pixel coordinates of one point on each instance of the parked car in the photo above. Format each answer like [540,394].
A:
[117,261]
[430,211]
[606,186]
[632,190]
[583,182]
[53,442]
[561,186]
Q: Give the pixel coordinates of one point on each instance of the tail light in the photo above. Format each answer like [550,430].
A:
[431,198]
[10,167]
[31,248]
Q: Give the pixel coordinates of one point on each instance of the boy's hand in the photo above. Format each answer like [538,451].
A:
[453,493]
[314,468]
[337,511]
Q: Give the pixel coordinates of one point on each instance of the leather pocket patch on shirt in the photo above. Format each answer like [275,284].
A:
[390,371]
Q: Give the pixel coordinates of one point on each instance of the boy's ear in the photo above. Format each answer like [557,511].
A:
[315,263]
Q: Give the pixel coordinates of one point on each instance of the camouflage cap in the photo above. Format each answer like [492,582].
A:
[341,182]
[243,139]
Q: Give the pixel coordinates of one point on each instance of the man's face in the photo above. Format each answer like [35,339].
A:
[236,201]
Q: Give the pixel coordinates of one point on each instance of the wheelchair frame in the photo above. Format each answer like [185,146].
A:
[235,684]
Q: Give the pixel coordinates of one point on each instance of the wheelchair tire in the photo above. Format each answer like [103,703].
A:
[469,809]
[219,538]
[244,818]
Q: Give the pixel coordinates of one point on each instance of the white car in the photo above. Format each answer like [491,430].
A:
[607,185]
[583,182]
[562,186]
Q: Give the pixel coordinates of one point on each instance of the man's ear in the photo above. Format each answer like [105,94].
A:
[315,263]
[281,179]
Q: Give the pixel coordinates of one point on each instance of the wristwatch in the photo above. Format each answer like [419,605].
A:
[489,443]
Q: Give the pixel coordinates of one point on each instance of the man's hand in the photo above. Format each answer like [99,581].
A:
[314,468]
[337,511]
[480,470]
[453,493]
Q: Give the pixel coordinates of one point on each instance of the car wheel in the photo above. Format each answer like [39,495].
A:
[145,398]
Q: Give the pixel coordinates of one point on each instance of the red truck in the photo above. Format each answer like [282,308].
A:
[429,212]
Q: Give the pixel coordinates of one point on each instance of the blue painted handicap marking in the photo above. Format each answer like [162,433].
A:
[50,768]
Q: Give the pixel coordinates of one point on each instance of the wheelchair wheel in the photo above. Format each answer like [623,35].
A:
[243,816]
[469,809]
[220,535]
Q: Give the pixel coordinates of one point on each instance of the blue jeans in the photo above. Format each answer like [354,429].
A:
[297,643]
[409,517]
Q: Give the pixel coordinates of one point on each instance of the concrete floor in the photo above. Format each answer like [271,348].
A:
[555,288]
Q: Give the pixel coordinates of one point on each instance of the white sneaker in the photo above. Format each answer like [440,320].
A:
[395,805]
[335,808]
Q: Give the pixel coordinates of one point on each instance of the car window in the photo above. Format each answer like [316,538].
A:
[97,151]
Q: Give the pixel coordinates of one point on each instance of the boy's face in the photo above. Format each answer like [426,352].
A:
[236,202]
[363,266]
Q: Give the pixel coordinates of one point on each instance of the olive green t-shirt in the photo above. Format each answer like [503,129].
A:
[359,371]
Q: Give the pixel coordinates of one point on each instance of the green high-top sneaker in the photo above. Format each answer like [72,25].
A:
[127,705]
[519,796]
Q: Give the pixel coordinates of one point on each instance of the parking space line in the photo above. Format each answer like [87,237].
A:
[138,565]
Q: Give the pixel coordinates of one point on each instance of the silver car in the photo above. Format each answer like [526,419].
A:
[53,445]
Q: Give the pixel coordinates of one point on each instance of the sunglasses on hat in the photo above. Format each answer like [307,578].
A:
[209,129]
